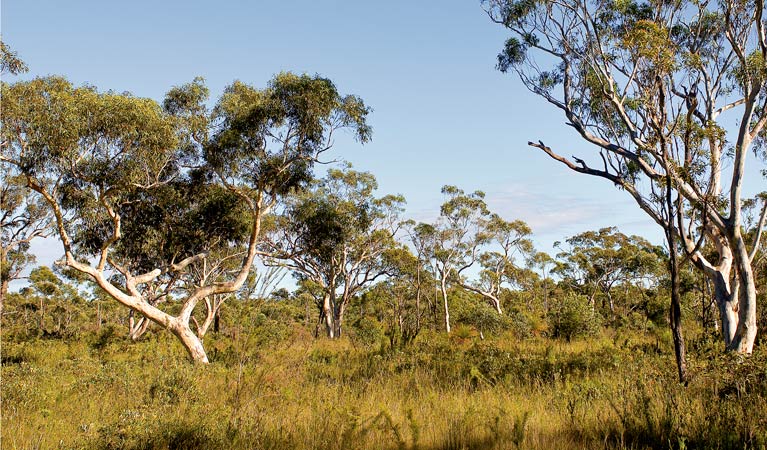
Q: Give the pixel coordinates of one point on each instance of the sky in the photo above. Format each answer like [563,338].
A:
[441,114]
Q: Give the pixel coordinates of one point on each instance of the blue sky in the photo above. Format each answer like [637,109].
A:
[442,113]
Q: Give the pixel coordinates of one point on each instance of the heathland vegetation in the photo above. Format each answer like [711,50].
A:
[216,291]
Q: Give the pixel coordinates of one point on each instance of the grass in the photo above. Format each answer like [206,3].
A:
[294,392]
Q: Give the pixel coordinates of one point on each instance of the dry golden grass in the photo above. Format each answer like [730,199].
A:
[439,393]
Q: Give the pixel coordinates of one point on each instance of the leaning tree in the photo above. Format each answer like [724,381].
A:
[671,96]
[142,193]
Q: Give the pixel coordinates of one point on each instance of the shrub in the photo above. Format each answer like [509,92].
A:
[573,317]
[367,331]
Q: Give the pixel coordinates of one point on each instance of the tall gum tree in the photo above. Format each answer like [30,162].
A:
[654,87]
[23,216]
[338,237]
[454,240]
[104,162]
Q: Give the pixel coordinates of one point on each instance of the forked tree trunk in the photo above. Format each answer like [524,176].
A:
[190,341]
[727,305]
[745,333]
[212,309]
[137,329]
[338,318]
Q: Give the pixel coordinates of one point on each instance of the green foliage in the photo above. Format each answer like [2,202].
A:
[436,393]
[10,61]
[513,54]
[572,317]
[368,331]
[297,107]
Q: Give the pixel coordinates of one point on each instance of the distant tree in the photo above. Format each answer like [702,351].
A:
[543,262]
[597,261]
[338,236]
[648,84]
[502,242]
[141,193]
[421,239]
[453,238]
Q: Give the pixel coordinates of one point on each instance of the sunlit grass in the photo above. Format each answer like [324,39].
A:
[440,393]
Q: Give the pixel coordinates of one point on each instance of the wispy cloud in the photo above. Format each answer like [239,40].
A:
[554,215]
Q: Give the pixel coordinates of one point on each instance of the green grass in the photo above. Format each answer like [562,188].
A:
[294,392]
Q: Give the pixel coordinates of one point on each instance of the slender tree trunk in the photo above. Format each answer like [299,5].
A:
[611,303]
[443,288]
[98,315]
[675,316]
[417,297]
[136,330]
[497,305]
[212,307]
[675,311]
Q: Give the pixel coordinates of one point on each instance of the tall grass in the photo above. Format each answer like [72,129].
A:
[293,392]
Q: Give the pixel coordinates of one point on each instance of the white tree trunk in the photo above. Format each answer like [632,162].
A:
[447,309]
[327,312]
[745,333]
[497,305]
[136,330]
[190,341]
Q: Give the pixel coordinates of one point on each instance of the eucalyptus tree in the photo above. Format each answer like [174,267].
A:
[420,239]
[455,238]
[400,292]
[666,93]
[543,262]
[597,261]
[22,217]
[339,237]
[503,242]
[141,193]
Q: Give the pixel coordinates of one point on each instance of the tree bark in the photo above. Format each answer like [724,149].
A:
[328,314]
[338,318]
[3,292]
[443,289]
[727,305]
[675,317]
[190,341]
[745,333]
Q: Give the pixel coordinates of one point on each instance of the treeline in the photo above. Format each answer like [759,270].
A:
[362,270]
[168,206]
